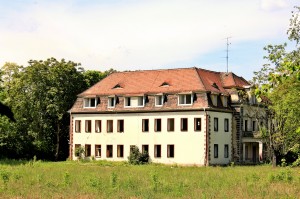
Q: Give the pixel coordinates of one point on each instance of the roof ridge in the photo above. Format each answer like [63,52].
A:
[200,79]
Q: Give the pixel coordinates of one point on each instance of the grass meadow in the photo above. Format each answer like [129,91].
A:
[102,179]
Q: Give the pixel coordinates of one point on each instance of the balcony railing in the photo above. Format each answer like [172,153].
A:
[251,134]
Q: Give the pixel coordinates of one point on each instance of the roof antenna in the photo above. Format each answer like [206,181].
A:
[227,39]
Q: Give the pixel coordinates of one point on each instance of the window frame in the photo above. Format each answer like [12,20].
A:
[226,125]
[184,124]
[196,125]
[216,124]
[157,125]
[169,129]
[109,102]
[109,153]
[184,102]
[76,146]
[226,151]
[246,125]
[254,125]
[98,146]
[87,150]
[120,126]
[157,151]
[79,125]
[88,126]
[120,151]
[88,101]
[160,99]
[127,102]
[110,125]
[216,150]
[99,122]
[143,148]
[170,151]
[144,125]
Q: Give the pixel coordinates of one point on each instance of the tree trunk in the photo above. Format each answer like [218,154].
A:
[57,142]
[274,159]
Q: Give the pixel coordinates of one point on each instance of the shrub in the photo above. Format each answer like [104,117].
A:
[136,157]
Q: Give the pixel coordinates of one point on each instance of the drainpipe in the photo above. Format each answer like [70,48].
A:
[206,139]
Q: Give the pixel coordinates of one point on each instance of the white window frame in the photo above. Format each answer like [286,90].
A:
[184,99]
[87,102]
[109,100]
[126,102]
[159,102]
[131,100]
[143,100]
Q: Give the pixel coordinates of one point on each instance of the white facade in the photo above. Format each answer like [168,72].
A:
[185,145]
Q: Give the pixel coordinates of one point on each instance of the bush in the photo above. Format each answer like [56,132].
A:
[136,157]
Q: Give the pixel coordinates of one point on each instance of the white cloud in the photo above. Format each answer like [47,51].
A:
[131,35]
[274,4]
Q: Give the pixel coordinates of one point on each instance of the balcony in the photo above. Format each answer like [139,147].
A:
[251,134]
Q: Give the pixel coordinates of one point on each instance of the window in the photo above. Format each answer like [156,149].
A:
[120,150]
[185,99]
[214,99]
[97,150]
[120,126]
[98,126]
[88,126]
[140,101]
[87,150]
[197,124]
[170,124]
[253,125]
[111,102]
[77,126]
[226,124]
[77,147]
[246,125]
[224,101]
[157,151]
[157,125]
[145,149]
[216,125]
[132,147]
[184,124]
[216,151]
[110,124]
[170,151]
[159,100]
[226,151]
[145,123]
[90,103]
[127,101]
[109,151]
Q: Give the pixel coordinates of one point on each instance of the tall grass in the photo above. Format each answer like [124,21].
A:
[102,179]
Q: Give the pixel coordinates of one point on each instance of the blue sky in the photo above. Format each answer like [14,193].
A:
[133,35]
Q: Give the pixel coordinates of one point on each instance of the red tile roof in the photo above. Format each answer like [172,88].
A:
[165,81]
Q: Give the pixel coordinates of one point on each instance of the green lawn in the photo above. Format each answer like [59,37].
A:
[119,180]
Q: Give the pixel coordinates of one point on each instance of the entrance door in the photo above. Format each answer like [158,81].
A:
[254,154]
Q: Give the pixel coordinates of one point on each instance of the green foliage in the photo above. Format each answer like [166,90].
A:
[136,157]
[278,87]
[79,152]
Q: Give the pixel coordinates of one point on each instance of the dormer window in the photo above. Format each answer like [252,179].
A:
[164,84]
[159,100]
[135,101]
[90,102]
[111,102]
[224,100]
[214,99]
[185,99]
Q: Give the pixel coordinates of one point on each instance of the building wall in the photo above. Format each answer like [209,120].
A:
[189,146]
[220,137]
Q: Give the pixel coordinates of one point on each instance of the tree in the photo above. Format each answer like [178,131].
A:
[278,81]
[91,77]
